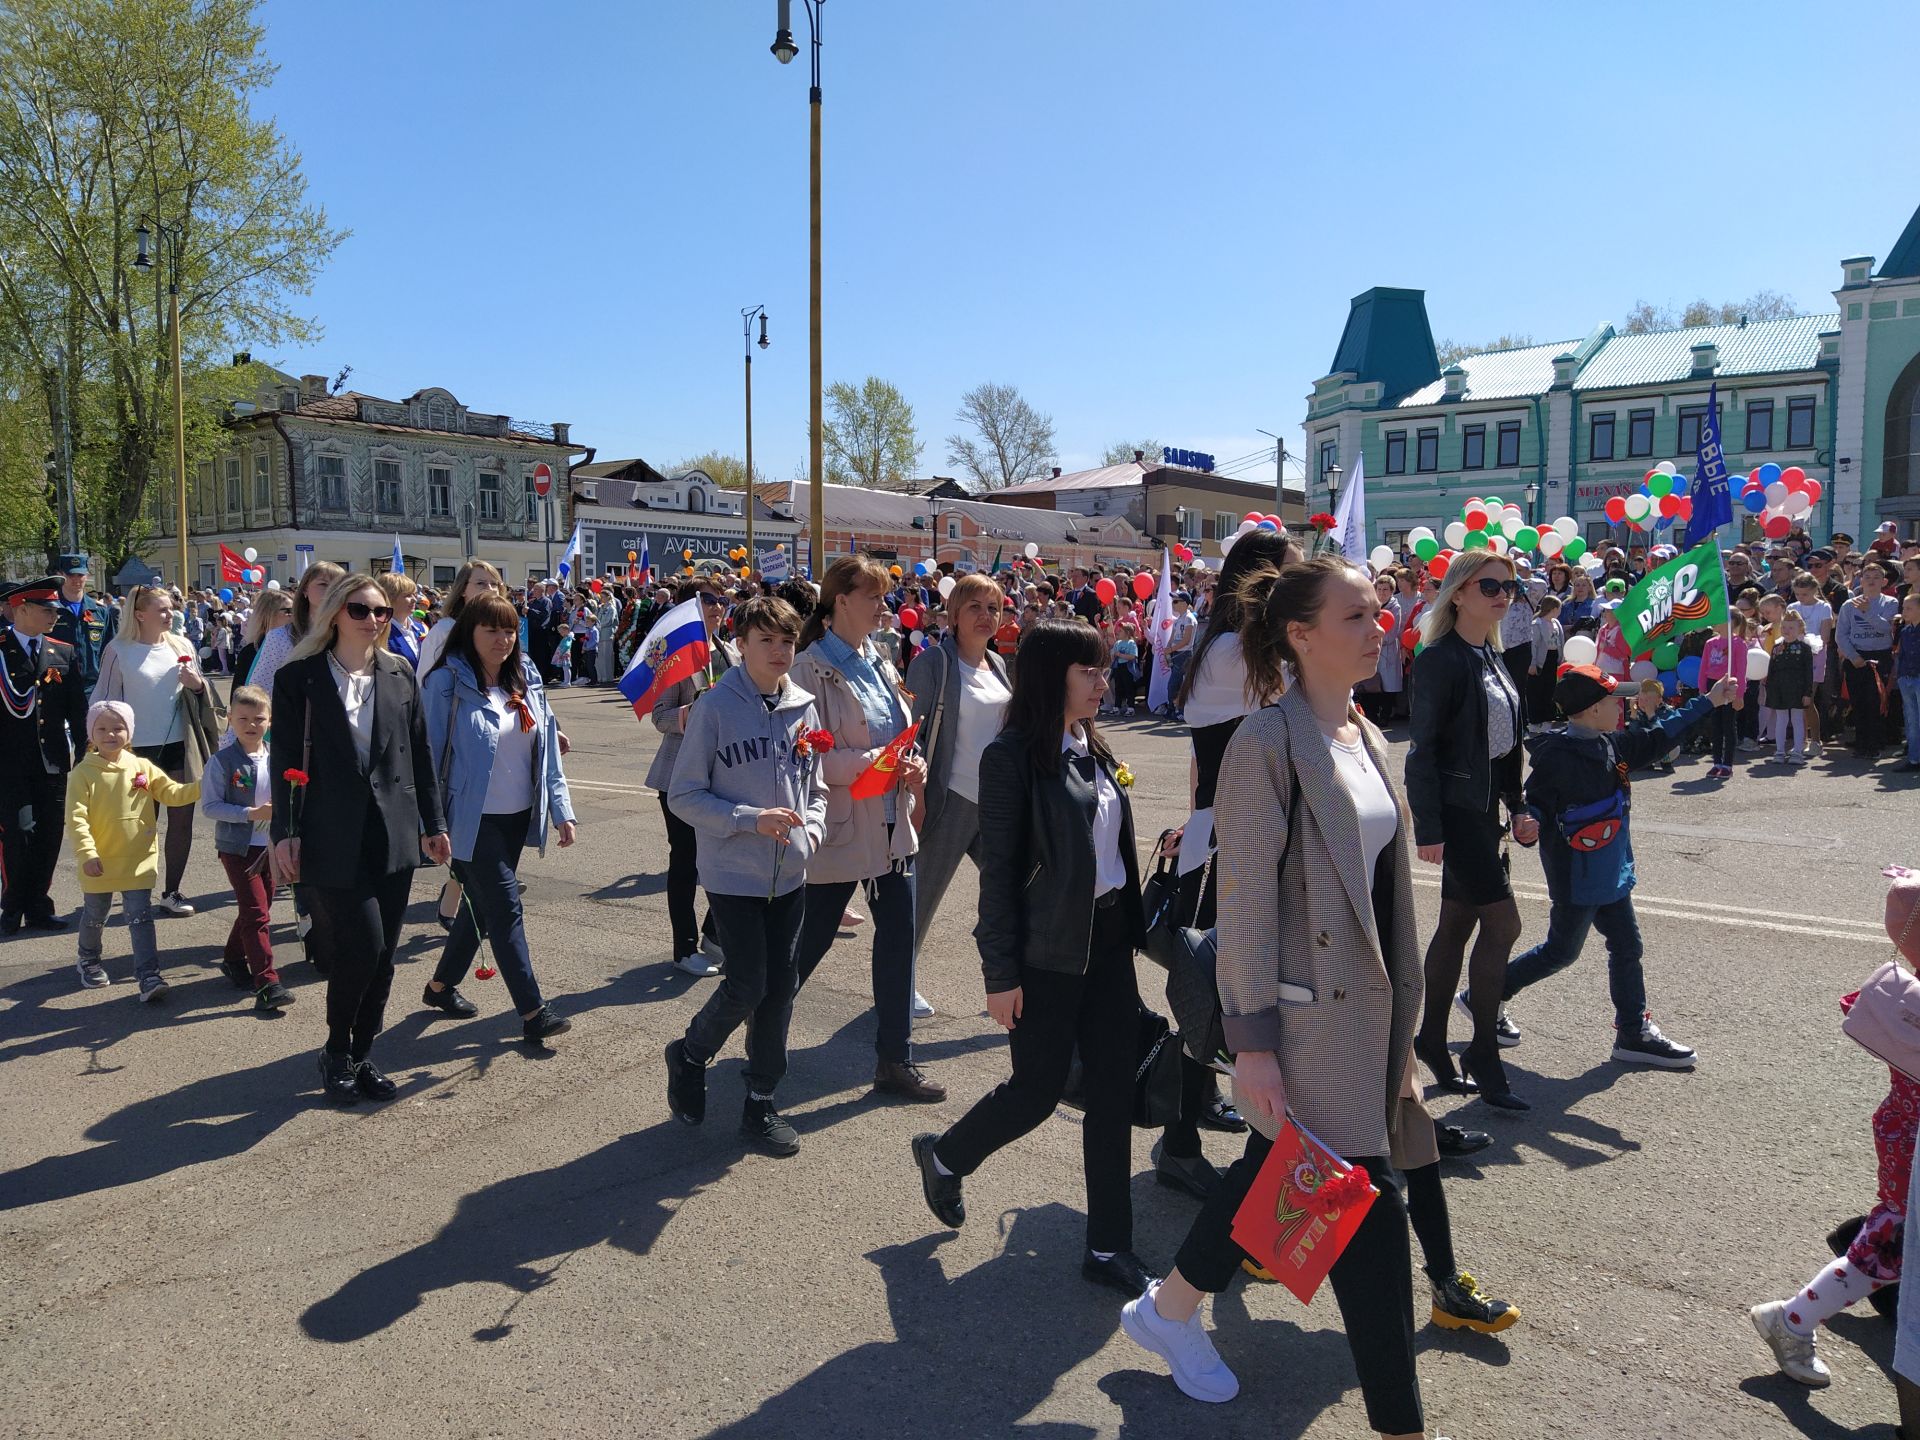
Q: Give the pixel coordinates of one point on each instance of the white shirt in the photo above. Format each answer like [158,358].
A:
[1372,800]
[262,792]
[983,701]
[356,697]
[1219,691]
[1109,866]
[434,646]
[151,685]
[510,785]
[1815,614]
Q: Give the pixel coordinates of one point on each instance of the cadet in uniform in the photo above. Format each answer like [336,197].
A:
[43,726]
[81,621]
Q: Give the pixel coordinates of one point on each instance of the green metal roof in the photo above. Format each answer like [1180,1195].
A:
[1665,357]
[1498,375]
[1388,340]
[1904,260]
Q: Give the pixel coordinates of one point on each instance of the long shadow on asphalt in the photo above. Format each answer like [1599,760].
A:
[1571,1140]
[1795,1404]
[622,1194]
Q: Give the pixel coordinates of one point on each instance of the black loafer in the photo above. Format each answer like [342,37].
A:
[46,922]
[449,1000]
[1123,1272]
[337,1077]
[10,924]
[543,1024]
[1196,1175]
[1218,1114]
[942,1191]
[1455,1141]
[368,1080]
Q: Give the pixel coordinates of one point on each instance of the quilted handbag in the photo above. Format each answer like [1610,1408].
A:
[1884,1018]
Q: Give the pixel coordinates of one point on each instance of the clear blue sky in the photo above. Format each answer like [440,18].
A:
[1149,217]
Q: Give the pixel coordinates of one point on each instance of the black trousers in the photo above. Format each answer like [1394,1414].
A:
[357,930]
[1101,1011]
[761,938]
[32,821]
[1372,1281]
[683,884]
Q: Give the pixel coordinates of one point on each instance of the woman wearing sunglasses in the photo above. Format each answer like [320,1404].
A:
[1463,765]
[348,718]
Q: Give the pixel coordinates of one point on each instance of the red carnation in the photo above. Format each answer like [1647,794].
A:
[186,660]
[1322,522]
[820,740]
[295,777]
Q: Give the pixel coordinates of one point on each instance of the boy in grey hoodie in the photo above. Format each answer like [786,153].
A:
[747,780]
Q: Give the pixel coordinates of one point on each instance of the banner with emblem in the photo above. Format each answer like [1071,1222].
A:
[1687,593]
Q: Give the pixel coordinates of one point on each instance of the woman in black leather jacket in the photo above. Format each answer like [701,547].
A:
[1464,764]
[1060,919]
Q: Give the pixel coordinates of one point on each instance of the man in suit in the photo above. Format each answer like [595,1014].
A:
[43,726]
[543,606]
[80,620]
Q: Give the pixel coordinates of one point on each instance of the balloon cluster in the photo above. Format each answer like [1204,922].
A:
[1253,520]
[1779,497]
[1661,500]
[1489,524]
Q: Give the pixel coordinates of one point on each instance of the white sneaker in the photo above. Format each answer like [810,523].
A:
[93,975]
[851,918]
[710,948]
[1748,746]
[1188,1350]
[698,965]
[921,1009]
[173,902]
[1794,1353]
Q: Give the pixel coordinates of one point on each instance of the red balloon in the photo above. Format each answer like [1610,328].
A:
[1385,618]
[909,617]
[1274,518]
[596,584]
[1616,508]
[1686,507]
[1669,505]
[1813,489]
[1794,478]
[1253,517]
[1106,590]
[1437,566]
[1143,584]
[1183,554]
[1476,520]
[1776,527]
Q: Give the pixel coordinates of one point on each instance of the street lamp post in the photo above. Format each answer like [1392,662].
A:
[747,317]
[1533,502]
[784,49]
[170,239]
[1334,472]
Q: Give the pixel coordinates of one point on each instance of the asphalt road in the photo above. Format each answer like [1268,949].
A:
[526,1244]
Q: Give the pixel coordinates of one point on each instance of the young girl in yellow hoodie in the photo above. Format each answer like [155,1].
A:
[113,823]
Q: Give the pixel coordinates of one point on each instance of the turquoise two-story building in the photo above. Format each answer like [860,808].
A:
[1560,428]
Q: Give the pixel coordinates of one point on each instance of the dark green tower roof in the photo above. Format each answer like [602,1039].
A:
[1904,261]
[1389,340]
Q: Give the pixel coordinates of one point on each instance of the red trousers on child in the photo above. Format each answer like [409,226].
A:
[248,943]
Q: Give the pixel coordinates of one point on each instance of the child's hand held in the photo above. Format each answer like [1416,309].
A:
[94,869]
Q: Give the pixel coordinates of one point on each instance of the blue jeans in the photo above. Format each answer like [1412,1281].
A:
[1567,927]
[1176,673]
[490,881]
[1910,713]
[137,905]
[891,898]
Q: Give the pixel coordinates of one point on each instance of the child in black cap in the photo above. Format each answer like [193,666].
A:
[1578,790]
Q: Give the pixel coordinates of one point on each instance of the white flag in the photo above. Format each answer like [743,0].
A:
[1159,631]
[571,553]
[1350,523]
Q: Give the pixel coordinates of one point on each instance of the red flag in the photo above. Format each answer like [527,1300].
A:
[233,567]
[875,779]
[1303,1208]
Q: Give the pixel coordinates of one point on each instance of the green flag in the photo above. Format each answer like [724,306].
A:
[998,552]
[1687,593]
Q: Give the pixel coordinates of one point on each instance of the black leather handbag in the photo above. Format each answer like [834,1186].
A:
[1156,1080]
[1187,955]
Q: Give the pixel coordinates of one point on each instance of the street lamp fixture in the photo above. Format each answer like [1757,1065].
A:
[747,317]
[784,50]
[1533,501]
[143,261]
[1334,472]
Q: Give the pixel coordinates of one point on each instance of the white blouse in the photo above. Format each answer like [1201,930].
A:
[356,697]
[983,701]
[1219,686]
[1109,866]
[1372,800]
[510,782]
[151,684]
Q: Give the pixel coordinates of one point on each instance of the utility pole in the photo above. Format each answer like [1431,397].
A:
[1279,468]
[69,518]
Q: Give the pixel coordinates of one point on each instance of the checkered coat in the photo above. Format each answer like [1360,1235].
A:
[1349,960]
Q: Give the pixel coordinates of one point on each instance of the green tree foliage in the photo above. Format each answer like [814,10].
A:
[115,113]
[729,472]
[1121,452]
[1449,351]
[1011,442]
[1646,317]
[870,433]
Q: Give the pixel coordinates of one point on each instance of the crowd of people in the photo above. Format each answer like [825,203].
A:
[373,727]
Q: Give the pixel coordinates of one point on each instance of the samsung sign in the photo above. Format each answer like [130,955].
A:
[1190,459]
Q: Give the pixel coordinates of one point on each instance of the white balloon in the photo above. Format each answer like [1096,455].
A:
[946,586]
[1798,504]
[1758,663]
[1473,507]
[1592,563]
[1417,534]
[1247,526]
[1638,507]
[1667,467]
[1496,543]
[1033,550]
[1777,494]
[1382,556]
[273,584]
[1226,545]
[1644,670]
[251,554]
[1580,650]
[1456,535]
[1551,542]
[1567,526]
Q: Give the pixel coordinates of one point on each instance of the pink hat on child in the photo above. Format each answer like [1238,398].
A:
[113,707]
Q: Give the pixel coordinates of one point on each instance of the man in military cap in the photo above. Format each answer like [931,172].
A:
[43,727]
[81,621]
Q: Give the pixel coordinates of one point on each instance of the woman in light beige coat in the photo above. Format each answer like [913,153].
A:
[871,842]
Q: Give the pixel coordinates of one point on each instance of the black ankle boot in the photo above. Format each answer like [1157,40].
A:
[1486,1067]
[337,1078]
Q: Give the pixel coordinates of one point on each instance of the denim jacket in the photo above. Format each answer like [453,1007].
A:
[226,794]
[457,708]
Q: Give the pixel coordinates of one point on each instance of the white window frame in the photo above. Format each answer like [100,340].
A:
[1225,522]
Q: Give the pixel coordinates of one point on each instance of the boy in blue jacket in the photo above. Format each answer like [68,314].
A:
[1579,792]
[747,781]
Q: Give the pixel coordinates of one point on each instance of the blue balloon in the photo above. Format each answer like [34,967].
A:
[226,594]
[920,567]
[1769,473]
[1688,672]
[1679,485]
[1754,500]
[1670,683]
[1266,525]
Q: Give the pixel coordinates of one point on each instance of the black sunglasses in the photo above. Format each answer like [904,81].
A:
[1491,588]
[360,610]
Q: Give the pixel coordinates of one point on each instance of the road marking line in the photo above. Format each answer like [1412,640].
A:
[606,785]
[1819,926]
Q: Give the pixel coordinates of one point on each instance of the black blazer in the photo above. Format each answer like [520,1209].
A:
[1037,869]
[56,719]
[1448,763]
[400,783]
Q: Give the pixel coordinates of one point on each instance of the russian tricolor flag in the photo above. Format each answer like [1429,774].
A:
[675,647]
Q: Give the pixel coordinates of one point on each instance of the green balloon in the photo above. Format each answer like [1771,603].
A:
[1476,540]
[1494,503]
[1526,537]
[1666,655]
[1659,483]
[1426,549]
[1574,548]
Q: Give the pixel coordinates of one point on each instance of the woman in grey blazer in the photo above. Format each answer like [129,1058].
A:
[1319,972]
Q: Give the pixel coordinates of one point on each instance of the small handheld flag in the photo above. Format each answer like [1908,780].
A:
[675,647]
[875,779]
[1687,593]
[399,566]
[233,567]
[644,575]
[570,554]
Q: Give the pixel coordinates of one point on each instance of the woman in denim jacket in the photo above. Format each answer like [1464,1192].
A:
[497,750]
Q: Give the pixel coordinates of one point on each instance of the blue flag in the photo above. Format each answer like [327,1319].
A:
[1712,497]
